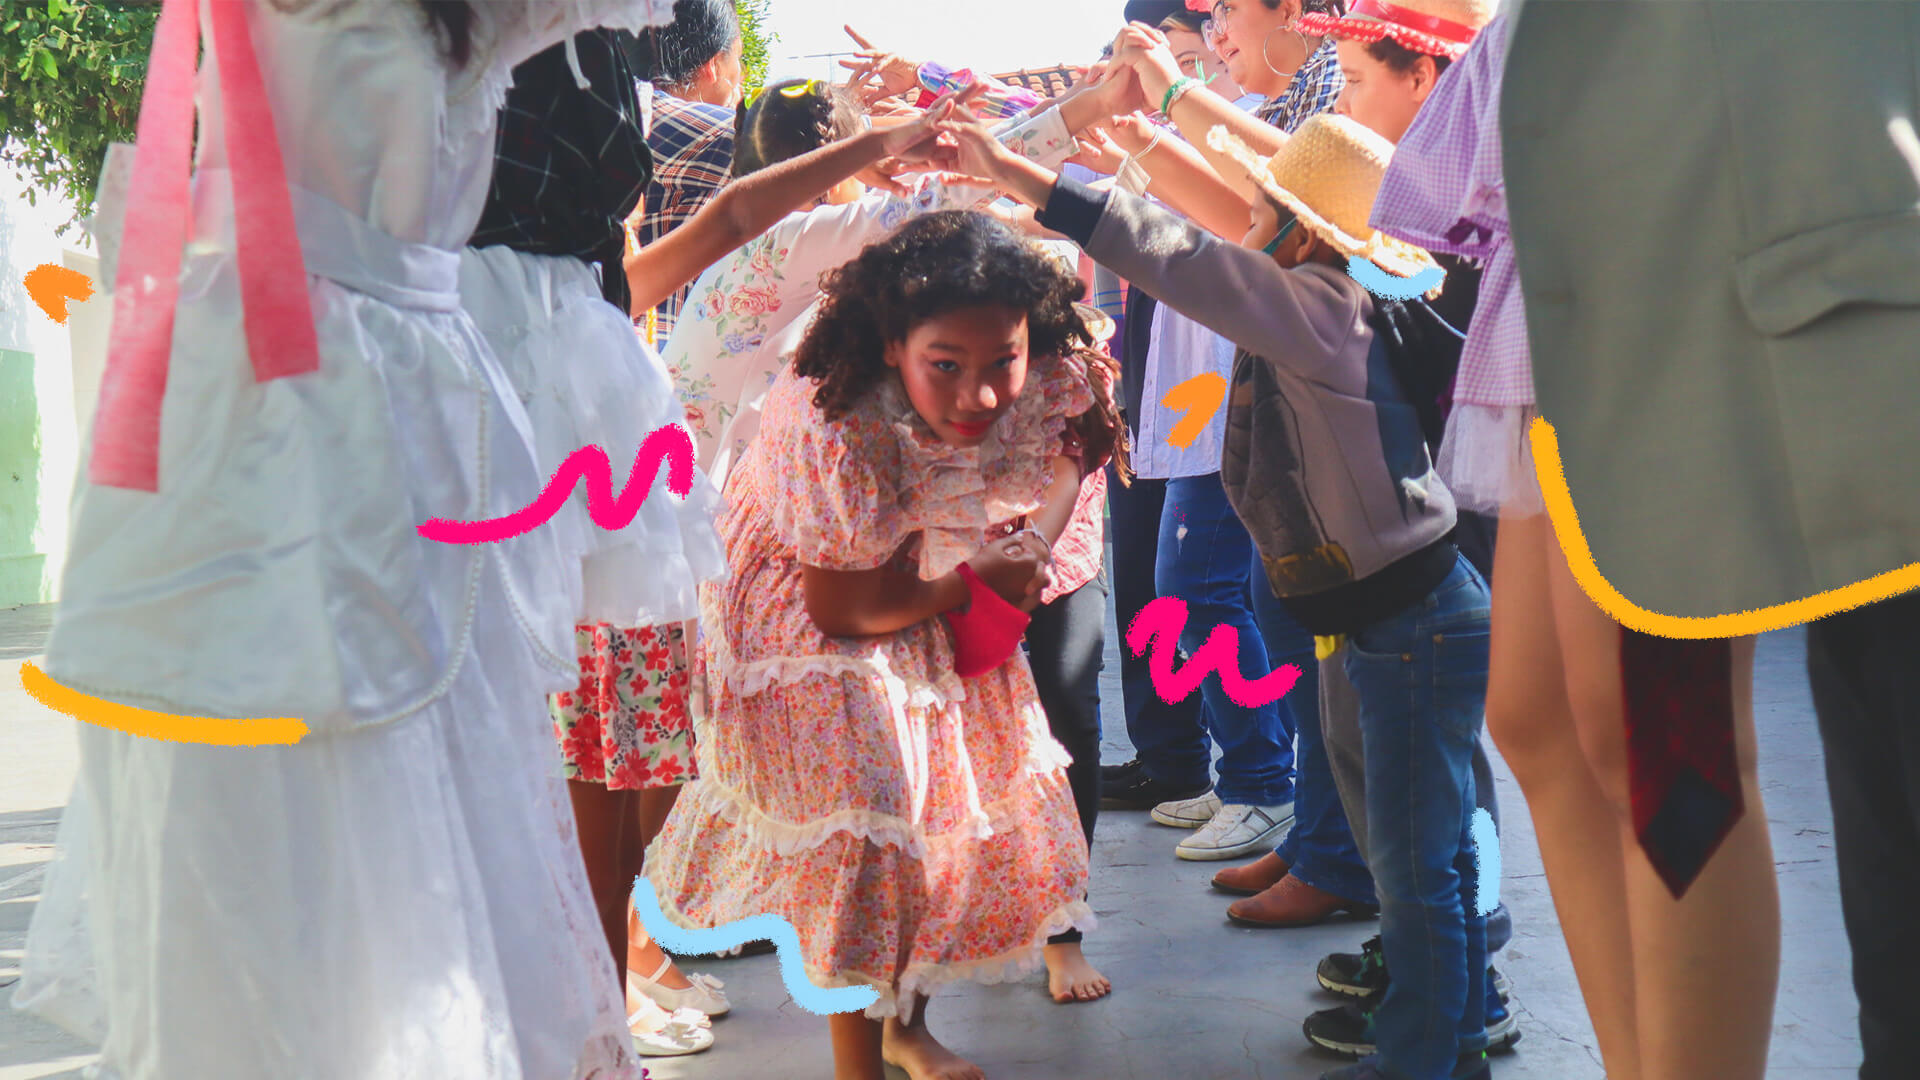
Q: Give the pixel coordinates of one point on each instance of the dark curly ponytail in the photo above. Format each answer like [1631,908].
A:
[934,264]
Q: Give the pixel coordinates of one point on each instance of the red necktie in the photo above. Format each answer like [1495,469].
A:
[1681,767]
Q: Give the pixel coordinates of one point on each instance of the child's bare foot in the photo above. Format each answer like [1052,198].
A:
[921,1055]
[1071,978]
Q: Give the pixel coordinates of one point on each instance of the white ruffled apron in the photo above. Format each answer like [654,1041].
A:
[278,571]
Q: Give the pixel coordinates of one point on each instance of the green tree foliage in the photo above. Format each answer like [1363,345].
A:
[756,40]
[70,79]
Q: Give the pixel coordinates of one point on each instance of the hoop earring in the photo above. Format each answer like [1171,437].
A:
[1263,50]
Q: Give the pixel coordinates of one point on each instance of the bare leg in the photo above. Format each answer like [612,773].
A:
[856,1047]
[601,817]
[1531,719]
[1070,977]
[1717,948]
[643,956]
[912,1047]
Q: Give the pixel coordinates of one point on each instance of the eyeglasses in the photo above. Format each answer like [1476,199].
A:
[1213,31]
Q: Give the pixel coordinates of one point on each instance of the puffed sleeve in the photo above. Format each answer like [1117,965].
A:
[1443,189]
[832,488]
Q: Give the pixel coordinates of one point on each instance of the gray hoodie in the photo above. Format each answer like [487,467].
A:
[1325,460]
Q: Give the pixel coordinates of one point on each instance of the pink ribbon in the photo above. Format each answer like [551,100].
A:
[273,285]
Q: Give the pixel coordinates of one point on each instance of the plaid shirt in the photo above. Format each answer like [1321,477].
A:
[1313,90]
[569,164]
[693,154]
[1445,190]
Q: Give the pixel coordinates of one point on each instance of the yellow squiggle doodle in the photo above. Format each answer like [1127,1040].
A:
[1573,542]
[210,730]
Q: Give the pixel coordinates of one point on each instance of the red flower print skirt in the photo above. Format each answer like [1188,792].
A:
[626,725]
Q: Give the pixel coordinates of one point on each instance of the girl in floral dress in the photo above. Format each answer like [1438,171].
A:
[913,826]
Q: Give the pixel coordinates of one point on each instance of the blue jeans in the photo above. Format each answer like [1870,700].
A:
[1207,560]
[1320,850]
[1421,678]
[1169,738]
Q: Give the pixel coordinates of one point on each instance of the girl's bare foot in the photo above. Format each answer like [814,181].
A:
[1071,978]
[913,1048]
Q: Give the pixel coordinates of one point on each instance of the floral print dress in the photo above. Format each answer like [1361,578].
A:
[913,827]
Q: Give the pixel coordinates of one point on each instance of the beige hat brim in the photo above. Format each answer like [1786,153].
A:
[1395,256]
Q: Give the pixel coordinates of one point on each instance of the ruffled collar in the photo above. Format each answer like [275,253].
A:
[956,493]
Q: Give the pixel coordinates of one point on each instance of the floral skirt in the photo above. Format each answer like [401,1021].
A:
[626,725]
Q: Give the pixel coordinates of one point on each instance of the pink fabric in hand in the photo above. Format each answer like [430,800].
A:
[987,632]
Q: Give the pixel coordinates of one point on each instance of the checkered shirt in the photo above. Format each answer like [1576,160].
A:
[1444,191]
[569,164]
[1313,90]
[693,159]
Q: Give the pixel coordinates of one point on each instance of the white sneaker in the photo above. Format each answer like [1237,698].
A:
[1237,831]
[1187,813]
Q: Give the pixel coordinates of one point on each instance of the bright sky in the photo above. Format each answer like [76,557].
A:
[989,35]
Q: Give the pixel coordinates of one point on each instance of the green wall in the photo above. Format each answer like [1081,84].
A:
[23,577]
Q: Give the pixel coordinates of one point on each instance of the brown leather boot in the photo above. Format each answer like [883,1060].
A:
[1293,902]
[1252,879]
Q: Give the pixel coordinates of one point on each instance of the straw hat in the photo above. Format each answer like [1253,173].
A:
[1435,27]
[1328,173]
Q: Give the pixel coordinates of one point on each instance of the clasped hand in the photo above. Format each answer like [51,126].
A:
[1019,568]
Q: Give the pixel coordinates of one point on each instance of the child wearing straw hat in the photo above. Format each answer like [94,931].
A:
[1326,462]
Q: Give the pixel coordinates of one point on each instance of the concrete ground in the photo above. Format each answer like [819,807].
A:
[1195,997]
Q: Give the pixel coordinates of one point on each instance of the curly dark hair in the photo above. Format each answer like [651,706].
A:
[932,265]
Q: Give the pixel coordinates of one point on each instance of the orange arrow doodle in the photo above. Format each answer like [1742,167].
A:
[211,730]
[51,286]
[1199,397]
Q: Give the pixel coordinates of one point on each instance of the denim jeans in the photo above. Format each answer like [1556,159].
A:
[1340,727]
[1207,560]
[1169,738]
[1321,850]
[1421,677]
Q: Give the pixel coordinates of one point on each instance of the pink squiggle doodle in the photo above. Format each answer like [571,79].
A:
[670,443]
[1159,625]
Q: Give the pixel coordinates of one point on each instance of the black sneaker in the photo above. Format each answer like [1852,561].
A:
[1348,1029]
[1359,975]
[1363,974]
[1128,787]
[1344,1029]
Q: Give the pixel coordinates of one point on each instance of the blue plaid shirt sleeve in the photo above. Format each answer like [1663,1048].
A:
[1313,90]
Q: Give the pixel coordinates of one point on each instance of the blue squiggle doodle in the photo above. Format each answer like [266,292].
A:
[1486,842]
[1388,287]
[820,1000]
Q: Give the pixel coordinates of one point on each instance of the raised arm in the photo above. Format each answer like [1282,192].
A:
[1182,178]
[1301,319]
[750,206]
[1196,110]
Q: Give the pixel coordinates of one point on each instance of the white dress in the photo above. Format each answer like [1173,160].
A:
[586,378]
[400,894]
